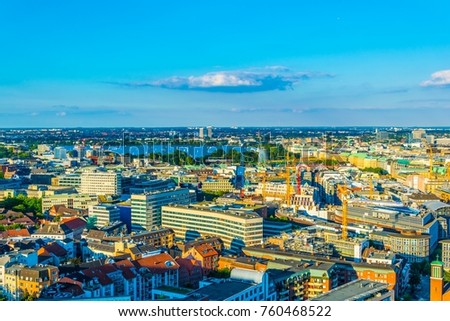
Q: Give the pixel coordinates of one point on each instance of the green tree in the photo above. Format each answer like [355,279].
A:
[20,208]
[221,273]
[417,270]
[28,297]
[23,204]
[376,170]
[91,222]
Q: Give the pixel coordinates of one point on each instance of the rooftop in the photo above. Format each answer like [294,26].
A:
[222,291]
[230,212]
[353,291]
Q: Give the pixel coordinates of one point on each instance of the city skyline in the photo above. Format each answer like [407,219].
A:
[234,64]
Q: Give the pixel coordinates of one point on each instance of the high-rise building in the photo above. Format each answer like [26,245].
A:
[417,134]
[81,151]
[201,133]
[60,153]
[146,208]
[73,180]
[104,214]
[239,180]
[382,135]
[210,131]
[236,229]
[101,183]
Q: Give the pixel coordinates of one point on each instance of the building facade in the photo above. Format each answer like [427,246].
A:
[101,183]
[78,201]
[235,229]
[104,214]
[146,208]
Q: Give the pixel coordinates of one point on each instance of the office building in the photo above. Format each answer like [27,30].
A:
[101,183]
[72,180]
[218,185]
[201,133]
[76,201]
[60,153]
[417,134]
[410,245]
[235,229]
[146,208]
[209,131]
[104,214]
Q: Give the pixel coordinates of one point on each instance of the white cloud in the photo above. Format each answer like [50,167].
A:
[438,79]
[61,114]
[235,81]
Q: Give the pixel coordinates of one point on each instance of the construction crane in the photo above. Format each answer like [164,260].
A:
[263,179]
[343,191]
[288,180]
[430,174]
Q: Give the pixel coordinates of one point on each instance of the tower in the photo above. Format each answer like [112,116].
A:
[436,280]
[209,131]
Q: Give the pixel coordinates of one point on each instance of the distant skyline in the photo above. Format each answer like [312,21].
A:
[234,63]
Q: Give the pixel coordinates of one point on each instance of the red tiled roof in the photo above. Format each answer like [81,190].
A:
[124,263]
[56,249]
[15,233]
[73,289]
[70,281]
[103,279]
[128,273]
[159,263]
[24,219]
[206,250]
[188,264]
[75,223]
[107,268]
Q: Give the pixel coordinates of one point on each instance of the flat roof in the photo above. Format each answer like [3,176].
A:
[229,212]
[352,291]
[224,290]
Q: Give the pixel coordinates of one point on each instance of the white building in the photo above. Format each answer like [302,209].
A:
[146,208]
[78,201]
[105,214]
[101,183]
[235,229]
[243,285]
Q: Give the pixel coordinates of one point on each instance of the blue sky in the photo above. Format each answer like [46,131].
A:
[230,63]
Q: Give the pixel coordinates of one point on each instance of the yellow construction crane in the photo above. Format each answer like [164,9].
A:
[371,188]
[288,180]
[343,191]
[431,162]
[263,176]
